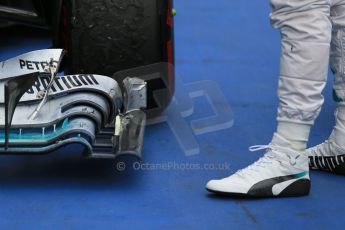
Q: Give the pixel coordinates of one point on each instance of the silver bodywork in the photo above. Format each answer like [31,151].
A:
[31,62]
[91,110]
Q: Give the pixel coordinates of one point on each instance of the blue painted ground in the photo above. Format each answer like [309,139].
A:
[229,42]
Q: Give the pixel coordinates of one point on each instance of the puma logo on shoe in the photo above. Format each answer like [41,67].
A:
[283,185]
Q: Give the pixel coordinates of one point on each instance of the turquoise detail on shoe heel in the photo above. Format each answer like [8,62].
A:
[300,175]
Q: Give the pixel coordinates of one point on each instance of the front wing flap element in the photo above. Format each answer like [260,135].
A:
[85,109]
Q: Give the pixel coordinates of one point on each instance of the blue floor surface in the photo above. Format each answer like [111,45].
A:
[228,42]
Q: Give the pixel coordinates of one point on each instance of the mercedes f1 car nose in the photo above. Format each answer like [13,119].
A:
[41,112]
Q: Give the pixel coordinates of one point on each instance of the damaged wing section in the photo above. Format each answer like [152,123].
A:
[41,112]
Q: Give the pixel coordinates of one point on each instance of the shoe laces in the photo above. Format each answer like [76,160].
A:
[322,149]
[273,153]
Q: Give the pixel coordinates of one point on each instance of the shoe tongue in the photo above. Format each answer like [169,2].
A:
[284,144]
[280,141]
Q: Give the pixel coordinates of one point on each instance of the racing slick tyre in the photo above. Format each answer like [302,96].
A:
[107,36]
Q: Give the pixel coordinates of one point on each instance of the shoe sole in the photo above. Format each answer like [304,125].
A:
[248,196]
[297,189]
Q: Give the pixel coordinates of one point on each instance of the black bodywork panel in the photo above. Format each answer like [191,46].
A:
[40,13]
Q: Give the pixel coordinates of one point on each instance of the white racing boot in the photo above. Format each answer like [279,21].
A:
[328,156]
[281,172]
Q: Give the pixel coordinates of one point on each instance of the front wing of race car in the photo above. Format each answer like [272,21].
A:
[41,112]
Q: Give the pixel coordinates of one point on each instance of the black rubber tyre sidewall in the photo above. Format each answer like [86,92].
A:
[105,36]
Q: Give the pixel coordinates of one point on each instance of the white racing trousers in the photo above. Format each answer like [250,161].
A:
[312,36]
